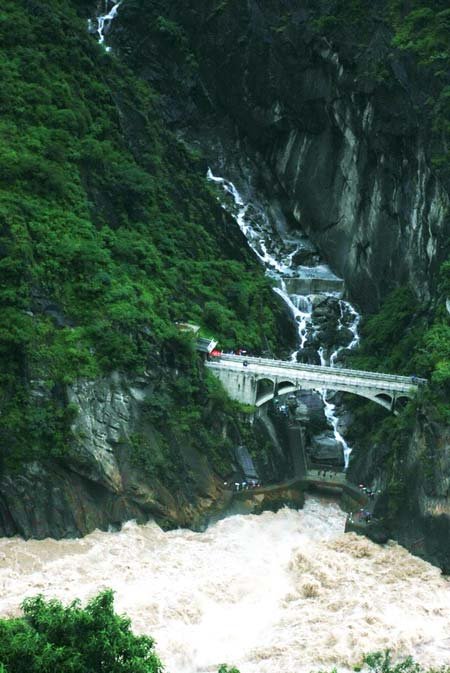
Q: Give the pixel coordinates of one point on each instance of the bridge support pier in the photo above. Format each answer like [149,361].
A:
[296,435]
[239,385]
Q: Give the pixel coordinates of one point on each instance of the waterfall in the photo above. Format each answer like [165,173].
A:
[105,20]
[277,256]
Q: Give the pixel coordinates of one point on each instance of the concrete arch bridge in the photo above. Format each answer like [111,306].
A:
[255,381]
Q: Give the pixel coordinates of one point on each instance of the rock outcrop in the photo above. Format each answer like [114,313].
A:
[412,476]
[106,477]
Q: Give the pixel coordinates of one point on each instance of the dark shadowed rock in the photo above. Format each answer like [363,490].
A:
[325,448]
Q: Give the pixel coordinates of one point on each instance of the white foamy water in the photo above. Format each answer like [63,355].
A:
[105,20]
[278,264]
[275,593]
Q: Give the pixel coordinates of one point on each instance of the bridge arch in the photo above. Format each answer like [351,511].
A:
[265,390]
[285,387]
[384,399]
[263,399]
[402,400]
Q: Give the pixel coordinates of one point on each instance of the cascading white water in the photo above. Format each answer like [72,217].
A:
[256,236]
[333,420]
[345,306]
[329,408]
[104,20]
[275,593]
[301,309]
[278,264]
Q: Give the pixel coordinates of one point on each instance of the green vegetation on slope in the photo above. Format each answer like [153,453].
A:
[407,338]
[108,230]
[420,28]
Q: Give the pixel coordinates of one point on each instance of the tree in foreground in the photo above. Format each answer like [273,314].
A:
[52,638]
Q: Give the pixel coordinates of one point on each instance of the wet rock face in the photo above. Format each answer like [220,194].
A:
[354,167]
[376,230]
[414,483]
[325,449]
[105,419]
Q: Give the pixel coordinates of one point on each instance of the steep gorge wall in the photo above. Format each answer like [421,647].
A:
[104,479]
[411,470]
[341,127]
[124,463]
[342,133]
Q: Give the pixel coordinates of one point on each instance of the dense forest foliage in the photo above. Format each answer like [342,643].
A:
[109,232]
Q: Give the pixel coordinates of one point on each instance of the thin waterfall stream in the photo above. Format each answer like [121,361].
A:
[102,22]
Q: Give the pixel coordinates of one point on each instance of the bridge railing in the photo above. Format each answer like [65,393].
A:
[319,369]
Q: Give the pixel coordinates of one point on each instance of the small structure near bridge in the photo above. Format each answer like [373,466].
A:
[204,345]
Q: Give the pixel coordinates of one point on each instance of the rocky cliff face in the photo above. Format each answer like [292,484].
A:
[99,483]
[412,472]
[340,129]
[122,465]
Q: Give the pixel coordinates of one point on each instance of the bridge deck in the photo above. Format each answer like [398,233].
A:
[324,377]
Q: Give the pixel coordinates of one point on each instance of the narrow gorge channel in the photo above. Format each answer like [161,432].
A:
[285,592]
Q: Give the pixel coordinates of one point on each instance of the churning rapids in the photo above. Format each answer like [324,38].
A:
[275,593]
